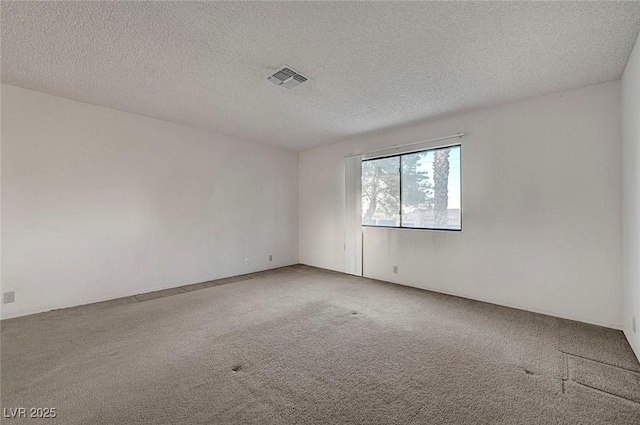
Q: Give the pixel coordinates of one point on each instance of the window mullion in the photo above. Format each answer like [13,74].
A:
[400,189]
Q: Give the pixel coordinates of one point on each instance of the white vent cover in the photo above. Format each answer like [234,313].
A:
[287,77]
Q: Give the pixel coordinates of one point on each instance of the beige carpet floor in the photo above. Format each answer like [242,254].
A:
[299,345]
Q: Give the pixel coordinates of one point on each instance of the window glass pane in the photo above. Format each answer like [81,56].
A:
[431,189]
[417,189]
[381,192]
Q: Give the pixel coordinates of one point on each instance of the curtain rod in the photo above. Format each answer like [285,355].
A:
[453,136]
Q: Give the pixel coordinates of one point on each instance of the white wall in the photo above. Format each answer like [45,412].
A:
[98,203]
[631,196]
[541,208]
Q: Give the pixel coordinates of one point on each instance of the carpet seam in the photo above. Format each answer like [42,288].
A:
[605,392]
[598,361]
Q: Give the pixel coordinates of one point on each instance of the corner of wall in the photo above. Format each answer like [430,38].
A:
[631,197]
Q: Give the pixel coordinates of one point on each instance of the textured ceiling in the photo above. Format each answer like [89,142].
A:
[373,65]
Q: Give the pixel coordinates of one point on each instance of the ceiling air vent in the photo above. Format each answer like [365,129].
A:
[287,77]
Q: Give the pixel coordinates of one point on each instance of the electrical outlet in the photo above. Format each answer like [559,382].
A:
[633,323]
[246,261]
[395,269]
[271,258]
[9,297]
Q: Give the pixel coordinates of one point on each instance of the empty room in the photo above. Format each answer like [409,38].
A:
[318,212]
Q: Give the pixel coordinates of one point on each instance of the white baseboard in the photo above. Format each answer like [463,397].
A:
[616,326]
[122,294]
[636,350]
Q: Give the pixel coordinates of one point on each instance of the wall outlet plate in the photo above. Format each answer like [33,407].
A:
[633,323]
[9,297]
[271,258]
[246,261]
[395,269]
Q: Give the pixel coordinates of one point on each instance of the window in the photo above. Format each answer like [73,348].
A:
[415,190]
